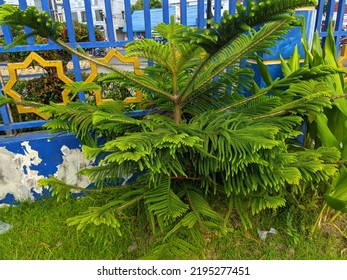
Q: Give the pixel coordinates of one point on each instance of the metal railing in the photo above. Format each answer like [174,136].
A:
[110,11]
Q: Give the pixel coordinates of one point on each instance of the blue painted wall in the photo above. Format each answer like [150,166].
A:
[30,156]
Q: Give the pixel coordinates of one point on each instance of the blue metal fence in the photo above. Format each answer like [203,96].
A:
[332,11]
[187,13]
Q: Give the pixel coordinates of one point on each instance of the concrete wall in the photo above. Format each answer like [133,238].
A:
[26,158]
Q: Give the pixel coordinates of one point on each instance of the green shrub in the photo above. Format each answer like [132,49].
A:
[204,152]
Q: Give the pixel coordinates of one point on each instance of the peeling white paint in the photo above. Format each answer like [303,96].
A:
[18,178]
[73,161]
[16,175]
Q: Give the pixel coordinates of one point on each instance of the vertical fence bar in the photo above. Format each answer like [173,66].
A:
[72,40]
[23,6]
[69,22]
[147,15]
[129,20]
[5,114]
[6,31]
[45,7]
[339,22]
[89,18]
[201,14]
[183,11]
[232,6]
[320,12]
[329,15]
[217,10]
[166,14]
[109,21]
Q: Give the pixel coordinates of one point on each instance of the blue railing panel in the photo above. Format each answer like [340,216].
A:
[232,6]
[6,31]
[201,14]
[335,12]
[90,21]
[319,18]
[166,15]
[339,21]
[147,15]
[128,19]
[23,6]
[109,22]
[217,10]
[192,14]
[183,11]
[72,39]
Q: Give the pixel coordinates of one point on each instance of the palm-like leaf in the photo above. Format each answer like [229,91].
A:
[41,23]
[164,202]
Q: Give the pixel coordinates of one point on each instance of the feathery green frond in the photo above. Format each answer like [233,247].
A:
[41,23]
[173,248]
[4,100]
[164,202]
[231,26]
[59,188]
[76,87]
[265,201]
[74,117]
[243,47]
[147,48]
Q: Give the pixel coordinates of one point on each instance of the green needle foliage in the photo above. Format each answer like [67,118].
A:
[203,145]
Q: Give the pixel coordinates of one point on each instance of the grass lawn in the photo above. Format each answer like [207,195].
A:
[40,232]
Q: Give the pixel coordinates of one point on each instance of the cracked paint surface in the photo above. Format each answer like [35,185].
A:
[16,174]
[73,161]
[19,177]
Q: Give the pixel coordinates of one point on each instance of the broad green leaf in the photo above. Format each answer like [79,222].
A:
[335,203]
[285,68]
[164,202]
[317,51]
[264,72]
[294,61]
[201,206]
[328,139]
[330,57]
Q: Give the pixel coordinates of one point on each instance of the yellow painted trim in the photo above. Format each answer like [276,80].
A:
[13,79]
[271,62]
[306,8]
[111,54]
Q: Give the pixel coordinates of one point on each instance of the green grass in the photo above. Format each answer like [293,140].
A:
[40,232]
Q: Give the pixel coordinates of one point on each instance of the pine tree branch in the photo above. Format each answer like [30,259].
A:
[188,91]
[117,70]
[248,99]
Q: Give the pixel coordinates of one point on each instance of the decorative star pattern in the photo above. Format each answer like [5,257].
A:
[13,79]
[110,55]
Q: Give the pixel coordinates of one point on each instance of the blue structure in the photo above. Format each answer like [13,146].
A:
[28,157]
[156,17]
